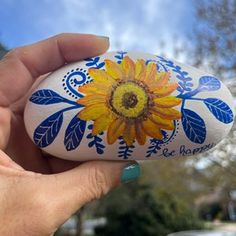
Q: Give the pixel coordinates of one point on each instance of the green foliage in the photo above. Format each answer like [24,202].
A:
[211,211]
[215,35]
[134,210]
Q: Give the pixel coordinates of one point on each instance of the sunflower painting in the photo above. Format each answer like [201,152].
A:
[131,100]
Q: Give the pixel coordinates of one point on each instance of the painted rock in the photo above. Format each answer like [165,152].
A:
[123,105]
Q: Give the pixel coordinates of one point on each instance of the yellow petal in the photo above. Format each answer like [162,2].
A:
[129,133]
[151,129]
[101,76]
[101,123]
[128,67]
[165,90]
[167,113]
[92,99]
[93,112]
[115,130]
[140,134]
[93,87]
[162,123]
[151,72]
[113,69]
[139,67]
[162,78]
[167,102]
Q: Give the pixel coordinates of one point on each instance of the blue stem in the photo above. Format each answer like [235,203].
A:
[71,102]
[196,99]
[70,108]
[189,94]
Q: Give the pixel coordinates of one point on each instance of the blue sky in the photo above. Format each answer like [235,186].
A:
[131,24]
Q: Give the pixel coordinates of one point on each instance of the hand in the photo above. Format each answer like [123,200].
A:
[39,192]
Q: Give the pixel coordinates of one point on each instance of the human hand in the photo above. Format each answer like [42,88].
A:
[39,192]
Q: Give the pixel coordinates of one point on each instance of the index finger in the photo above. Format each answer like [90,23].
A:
[20,66]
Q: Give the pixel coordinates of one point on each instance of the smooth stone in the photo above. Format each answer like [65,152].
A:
[129,106]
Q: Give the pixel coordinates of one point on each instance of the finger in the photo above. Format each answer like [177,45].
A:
[19,68]
[6,161]
[70,190]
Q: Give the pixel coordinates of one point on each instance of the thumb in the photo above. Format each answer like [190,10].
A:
[70,190]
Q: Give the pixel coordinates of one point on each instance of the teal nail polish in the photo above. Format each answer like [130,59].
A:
[130,173]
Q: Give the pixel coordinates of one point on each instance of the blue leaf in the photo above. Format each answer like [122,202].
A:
[118,57]
[220,110]
[96,141]
[100,65]
[194,126]
[125,150]
[47,131]
[91,63]
[96,59]
[100,151]
[209,83]
[46,97]
[74,133]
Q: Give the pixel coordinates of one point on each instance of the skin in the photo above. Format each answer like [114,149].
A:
[39,192]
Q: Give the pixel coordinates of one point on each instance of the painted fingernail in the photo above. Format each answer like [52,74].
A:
[130,173]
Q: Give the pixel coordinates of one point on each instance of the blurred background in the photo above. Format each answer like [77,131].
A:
[172,195]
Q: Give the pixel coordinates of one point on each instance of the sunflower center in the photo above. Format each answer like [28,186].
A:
[129,99]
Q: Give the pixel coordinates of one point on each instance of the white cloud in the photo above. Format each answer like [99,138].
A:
[132,25]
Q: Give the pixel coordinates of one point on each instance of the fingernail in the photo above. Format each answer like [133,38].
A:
[103,37]
[130,173]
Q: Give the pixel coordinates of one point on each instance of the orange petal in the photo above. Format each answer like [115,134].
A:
[151,72]
[92,99]
[139,67]
[151,129]
[167,102]
[162,78]
[113,69]
[129,133]
[115,130]
[101,123]
[92,112]
[140,134]
[93,87]
[162,123]
[167,113]
[128,67]
[165,90]
[100,76]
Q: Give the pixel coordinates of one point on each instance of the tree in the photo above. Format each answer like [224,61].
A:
[215,36]
[215,44]
[134,210]
[214,47]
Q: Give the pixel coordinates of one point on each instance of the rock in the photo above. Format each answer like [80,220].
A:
[124,105]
